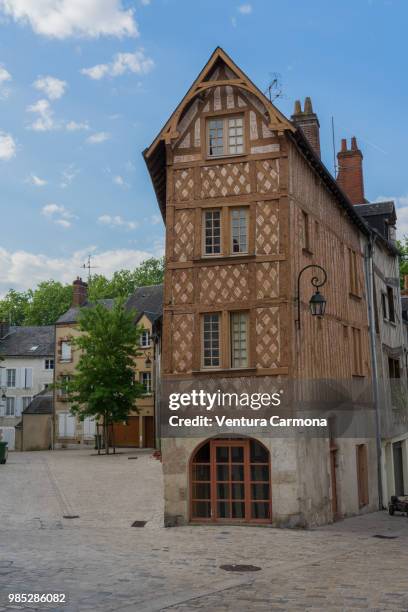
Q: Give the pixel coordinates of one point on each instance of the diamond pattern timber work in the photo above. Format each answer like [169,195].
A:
[183,185]
[267,173]
[182,287]
[183,235]
[223,284]
[267,337]
[183,342]
[267,228]
[223,180]
[267,280]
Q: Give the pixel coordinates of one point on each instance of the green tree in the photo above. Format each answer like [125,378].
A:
[150,272]
[124,282]
[47,302]
[403,248]
[13,307]
[103,384]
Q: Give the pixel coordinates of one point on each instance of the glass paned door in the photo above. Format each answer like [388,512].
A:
[230,481]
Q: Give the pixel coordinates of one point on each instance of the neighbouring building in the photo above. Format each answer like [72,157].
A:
[26,370]
[247,205]
[138,429]
[35,430]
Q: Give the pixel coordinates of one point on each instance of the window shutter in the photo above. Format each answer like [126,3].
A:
[89,427]
[28,378]
[61,424]
[3,378]
[19,406]
[70,425]
[20,378]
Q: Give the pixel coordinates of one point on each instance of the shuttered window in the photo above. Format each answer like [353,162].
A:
[89,427]
[11,377]
[66,425]
[10,406]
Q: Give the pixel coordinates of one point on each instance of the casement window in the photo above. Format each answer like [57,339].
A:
[357,352]
[384,306]
[239,230]
[145,379]
[211,340]
[26,401]
[66,351]
[212,232]
[66,425]
[89,426]
[11,377]
[225,136]
[362,474]
[10,406]
[305,231]
[27,378]
[145,340]
[391,306]
[239,339]
[49,364]
[353,273]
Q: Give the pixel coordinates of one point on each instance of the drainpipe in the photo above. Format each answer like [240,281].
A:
[369,266]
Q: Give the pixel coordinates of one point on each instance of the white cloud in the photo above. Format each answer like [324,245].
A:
[98,137]
[45,120]
[53,88]
[23,270]
[74,126]
[64,18]
[8,147]
[136,63]
[35,180]
[68,175]
[119,180]
[58,214]
[146,2]
[5,77]
[245,9]
[117,221]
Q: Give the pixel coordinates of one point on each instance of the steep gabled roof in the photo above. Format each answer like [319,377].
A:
[155,156]
[29,341]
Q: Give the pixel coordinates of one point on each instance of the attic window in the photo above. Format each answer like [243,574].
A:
[225,136]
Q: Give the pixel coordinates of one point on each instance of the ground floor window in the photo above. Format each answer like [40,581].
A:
[230,481]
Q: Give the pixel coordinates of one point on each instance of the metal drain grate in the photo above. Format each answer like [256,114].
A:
[384,537]
[70,516]
[240,568]
[139,524]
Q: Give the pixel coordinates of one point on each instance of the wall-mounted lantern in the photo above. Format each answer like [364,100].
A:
[317,302]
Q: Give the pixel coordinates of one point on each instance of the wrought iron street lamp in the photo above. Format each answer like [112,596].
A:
[317,302]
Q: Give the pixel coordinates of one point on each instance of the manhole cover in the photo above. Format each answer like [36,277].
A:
[139,523]
[70,516]
[240,568]
[385,537]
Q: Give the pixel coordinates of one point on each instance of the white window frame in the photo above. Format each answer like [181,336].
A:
[231,135]
[212,234]
[48,362]
[210,353]
[68,419]
[243,215]
[239,341]
[13,377]
[10,397]
[148,386]
[67,344]
[145,339]
[89,427]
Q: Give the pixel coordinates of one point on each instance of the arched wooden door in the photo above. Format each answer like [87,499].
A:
[230,482]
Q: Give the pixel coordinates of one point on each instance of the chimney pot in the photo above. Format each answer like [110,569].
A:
[298,108]
[344,144]
[354,146]
[308,105]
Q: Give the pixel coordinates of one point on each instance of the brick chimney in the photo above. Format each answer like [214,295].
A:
[79,293]
[308,121]
[4,329]
[350,173]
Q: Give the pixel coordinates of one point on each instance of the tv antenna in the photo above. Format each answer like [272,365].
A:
[334,148]
[88,266]
[275,87]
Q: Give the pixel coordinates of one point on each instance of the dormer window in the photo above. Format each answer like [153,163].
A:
[225,136]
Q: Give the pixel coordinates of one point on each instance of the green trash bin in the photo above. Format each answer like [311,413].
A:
[3,452]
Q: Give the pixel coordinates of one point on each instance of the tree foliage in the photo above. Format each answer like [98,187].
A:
[103,384]
[50,299]
[403,248]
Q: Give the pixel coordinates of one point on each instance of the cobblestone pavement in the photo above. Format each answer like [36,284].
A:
[102,563]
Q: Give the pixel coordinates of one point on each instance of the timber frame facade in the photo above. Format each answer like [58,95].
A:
[292,214]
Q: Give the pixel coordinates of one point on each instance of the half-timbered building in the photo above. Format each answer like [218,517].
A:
[247,205]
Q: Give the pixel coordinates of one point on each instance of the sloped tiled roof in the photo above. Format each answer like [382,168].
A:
[72,315]
[41,403]
[30,341]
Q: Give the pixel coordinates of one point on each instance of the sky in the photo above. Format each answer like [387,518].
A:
[85,86]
